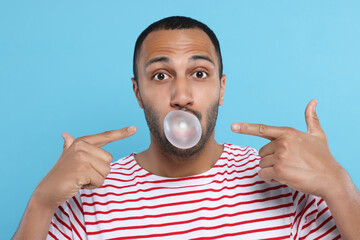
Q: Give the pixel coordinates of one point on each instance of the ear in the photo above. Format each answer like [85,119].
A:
[222,89]
[137,92]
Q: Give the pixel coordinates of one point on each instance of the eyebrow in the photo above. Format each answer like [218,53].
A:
[157,59]
[167,60]
[202,57]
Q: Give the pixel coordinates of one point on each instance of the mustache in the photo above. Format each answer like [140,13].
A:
[196,113]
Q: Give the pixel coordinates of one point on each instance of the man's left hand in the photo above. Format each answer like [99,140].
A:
[300,160]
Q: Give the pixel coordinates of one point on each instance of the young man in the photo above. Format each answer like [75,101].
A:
[209,191]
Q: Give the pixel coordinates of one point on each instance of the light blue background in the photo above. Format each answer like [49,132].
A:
[66,66]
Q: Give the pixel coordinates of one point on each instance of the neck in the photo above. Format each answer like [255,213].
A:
[162,163]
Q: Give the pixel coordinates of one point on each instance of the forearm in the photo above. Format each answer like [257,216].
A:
[36,220]
[344,205]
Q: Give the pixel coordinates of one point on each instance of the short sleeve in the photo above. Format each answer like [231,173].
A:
[312,218]
[68,221]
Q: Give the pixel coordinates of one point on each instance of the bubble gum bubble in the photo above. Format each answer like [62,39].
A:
[182,129]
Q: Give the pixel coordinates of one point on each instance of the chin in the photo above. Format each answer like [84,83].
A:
[170,149]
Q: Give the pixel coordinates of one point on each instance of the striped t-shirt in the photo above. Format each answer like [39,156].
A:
[229,201]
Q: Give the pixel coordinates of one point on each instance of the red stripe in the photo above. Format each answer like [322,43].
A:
[177,203]
[247,149]
[256,157]
[193,220]
[127,180]
[277,238]
[215,166]
[234,160]
[62,222]
[317,217]
[314,220]
[78,205]
[67,237]
[127,174]
[297,219]
[326,233]
[124,168]
[158,188]
[154,182]
[302,215]
[244,153]
[122,163]
[295,195]
[138,184]
[205,228]
[337,237]
[222,158]
[52,235]
[240,154]
[196,210]
[63,211]
[320,202]
[174,179]
[228,145]
[309,223]
[244,232]
[176,194]
[77,220]
[321,225]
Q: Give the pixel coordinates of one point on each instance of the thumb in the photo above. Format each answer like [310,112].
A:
[68,140]
[312,119]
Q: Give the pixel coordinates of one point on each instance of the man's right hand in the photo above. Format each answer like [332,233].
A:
[82,164]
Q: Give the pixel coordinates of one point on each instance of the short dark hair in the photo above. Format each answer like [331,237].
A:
[175,23]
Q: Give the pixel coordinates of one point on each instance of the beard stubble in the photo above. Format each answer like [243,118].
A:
[156,128]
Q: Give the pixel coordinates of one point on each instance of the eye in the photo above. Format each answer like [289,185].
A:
[200,74]
[160,76]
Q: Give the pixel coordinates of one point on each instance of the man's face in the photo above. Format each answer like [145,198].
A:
[179,69]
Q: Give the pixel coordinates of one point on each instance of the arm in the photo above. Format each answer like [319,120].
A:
[36,220]
[82,164]
[344,204]
[303,161]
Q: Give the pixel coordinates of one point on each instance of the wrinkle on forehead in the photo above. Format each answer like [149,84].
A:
[177,42]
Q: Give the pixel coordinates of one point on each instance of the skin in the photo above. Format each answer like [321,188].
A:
[82,164]
[304,162]
[177,57]
[300,160]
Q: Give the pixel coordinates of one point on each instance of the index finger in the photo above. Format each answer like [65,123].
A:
[260,130]
[101,139]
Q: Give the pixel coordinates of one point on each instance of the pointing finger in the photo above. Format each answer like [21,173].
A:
[260,130]
[101,139]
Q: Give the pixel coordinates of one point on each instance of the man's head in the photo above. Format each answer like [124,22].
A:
[175,23]
[178,68]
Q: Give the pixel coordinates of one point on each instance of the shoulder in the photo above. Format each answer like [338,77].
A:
[240,153]
[124,163]
[242,160]
[124,169]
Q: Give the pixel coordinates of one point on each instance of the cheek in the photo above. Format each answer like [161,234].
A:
[206,94]
[155,96]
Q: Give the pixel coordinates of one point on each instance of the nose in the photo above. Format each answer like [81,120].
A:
[181,93]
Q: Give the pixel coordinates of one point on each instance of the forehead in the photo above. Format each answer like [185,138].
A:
[173,43]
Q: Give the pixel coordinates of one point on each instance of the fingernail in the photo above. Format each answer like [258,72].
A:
[130,129]
[236,127]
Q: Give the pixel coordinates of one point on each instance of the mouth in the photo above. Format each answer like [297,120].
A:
[182,128]
[193,112]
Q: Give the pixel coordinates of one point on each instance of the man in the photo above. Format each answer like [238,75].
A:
[209,191]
